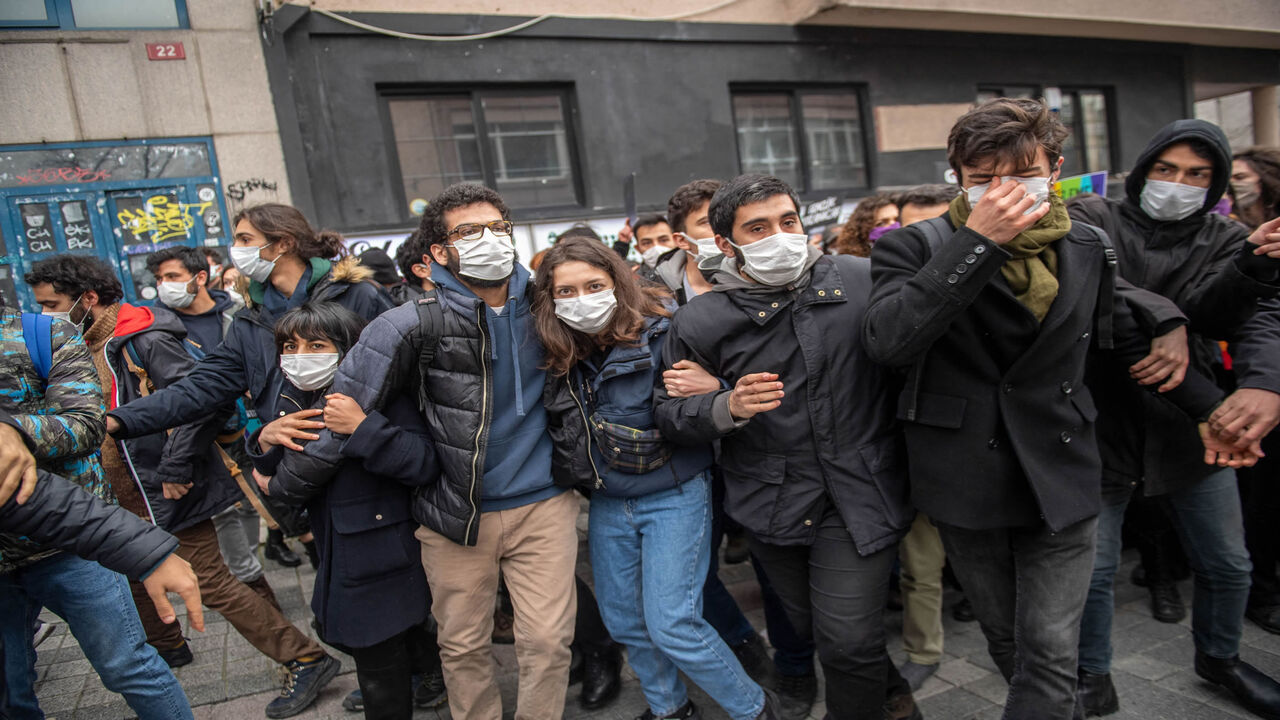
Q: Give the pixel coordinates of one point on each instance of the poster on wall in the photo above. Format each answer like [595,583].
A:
[37,227]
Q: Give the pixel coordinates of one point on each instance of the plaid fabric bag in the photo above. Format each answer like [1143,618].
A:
[627,449]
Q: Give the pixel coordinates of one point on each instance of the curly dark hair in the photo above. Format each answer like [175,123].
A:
[75,275]
[1005,130]
[192,259]
[744,190]
[455,196]
[687,198]
[855,236]
[409,254]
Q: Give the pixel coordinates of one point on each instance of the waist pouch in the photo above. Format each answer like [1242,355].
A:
[629,450]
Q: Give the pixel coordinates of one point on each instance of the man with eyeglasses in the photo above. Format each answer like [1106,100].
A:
[471,354]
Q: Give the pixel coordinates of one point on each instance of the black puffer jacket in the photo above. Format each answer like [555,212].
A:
[1205,267]
[832,442]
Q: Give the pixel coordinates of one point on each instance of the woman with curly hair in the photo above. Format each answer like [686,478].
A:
[873,217]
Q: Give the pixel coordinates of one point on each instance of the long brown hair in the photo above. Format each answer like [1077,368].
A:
[278,222]
[855,236]
[566,346]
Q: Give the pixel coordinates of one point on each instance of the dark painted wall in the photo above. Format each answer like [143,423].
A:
[654,98]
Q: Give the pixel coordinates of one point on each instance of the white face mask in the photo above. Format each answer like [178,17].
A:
[175,294]
[310,371]
[776,260]
[1169,201]
[1037,186]
[249,261]
[1246,192]
[650,256]
[488,257]
[66,316]
[587,313]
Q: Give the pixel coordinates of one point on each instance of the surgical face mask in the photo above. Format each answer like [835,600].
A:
[1170,201]
[877,233]
[310,371]
[776,260]
[1246,192]
[488,257]
[1037,186]
[587,313]
[249,261]
[66,316]
[650,256]
[176,294]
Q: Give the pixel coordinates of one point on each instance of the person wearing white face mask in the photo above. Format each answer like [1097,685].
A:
[651,502]
[684,272]
[653,241]
[807,412]
[1213,271]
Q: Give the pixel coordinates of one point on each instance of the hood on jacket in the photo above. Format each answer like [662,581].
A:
[133,319]
[224,302]
[346,270]
[1182,131]
[670,268]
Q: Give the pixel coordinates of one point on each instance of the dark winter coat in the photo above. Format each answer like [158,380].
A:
[999,421]
[247,361]
[186,455]
[1204,265]
[618,386]
[832,442]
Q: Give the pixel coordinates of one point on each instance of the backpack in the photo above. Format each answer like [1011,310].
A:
[37,333]
[430,322]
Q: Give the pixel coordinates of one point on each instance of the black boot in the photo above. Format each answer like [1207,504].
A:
[275,549]
[1096,693]
[1258,693]
[600,681]
[1166,602]
[387,693]
[313,555]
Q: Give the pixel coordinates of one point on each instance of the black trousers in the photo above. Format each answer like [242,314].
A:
[385,672]
[835,598]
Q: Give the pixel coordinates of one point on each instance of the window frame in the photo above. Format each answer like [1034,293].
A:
[1077,127]
[488,163]
[61,17]
[795,93]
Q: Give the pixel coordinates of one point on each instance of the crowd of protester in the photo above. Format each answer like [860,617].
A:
[981,385]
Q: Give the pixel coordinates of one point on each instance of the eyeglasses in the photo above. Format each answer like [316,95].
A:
[473,231]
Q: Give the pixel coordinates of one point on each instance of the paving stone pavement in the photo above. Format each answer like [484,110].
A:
[230,680]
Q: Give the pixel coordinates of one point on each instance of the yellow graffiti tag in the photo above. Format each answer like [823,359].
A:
[163,219]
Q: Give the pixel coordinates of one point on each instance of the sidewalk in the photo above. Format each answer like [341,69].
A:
[230,680]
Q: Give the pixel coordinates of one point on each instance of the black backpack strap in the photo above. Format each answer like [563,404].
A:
[936,231]
[431,324]
[1104,314]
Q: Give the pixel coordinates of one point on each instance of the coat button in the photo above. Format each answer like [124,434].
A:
[953,279]
[837,292]
[962,269]
[971,258]
[1066,388]
[822,293]
[773,305]
[282,413]
[993,443]
[762,313]
[1084,336]
[1008,388]
[979,249]
[808,522]
[378,516]
[1065,437]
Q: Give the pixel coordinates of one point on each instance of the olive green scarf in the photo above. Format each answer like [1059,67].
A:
[1032,272]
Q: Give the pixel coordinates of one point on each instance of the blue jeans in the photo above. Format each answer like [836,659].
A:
[98,608]
[649,556]
[1209,522]
[1028,588]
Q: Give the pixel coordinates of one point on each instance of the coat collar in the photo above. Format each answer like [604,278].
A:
[825,286]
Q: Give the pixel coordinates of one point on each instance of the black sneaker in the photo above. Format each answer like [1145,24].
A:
[354,701]
[430,691]
[796,694]
[754,658]
[688,711]
[302,683]
[177,657]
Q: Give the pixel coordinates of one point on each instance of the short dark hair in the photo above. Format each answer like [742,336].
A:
[409,254]
[649,221]
[212,254]
[320,321]
[377,260]
[934,194]
[744,190]
[192,259]
[1005,130]
[455,196]
[75,275]
[582,230]
[687,198]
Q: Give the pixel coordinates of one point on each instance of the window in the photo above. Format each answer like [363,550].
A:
[812,139]
[93,14]
[1084,111]
[518,143]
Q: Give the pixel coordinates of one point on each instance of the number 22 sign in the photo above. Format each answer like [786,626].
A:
[166,51]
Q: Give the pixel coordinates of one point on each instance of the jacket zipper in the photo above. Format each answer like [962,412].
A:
[484,413]
[586,426]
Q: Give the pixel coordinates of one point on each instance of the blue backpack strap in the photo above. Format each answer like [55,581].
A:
[37,333]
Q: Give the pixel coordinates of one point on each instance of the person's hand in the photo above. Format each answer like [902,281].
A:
[175,575]
[626,234]
[755,393]
[998,216]
[113,425]
[17,466]
[264,481]
[687,378]
[1167,361]
[175,491]
[1246,416]
[1224,454]
[342,414]
[1267,238]
[285,430]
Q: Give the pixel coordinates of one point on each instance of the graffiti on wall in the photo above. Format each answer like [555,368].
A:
[253,191]
[161,217]
[56,175]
